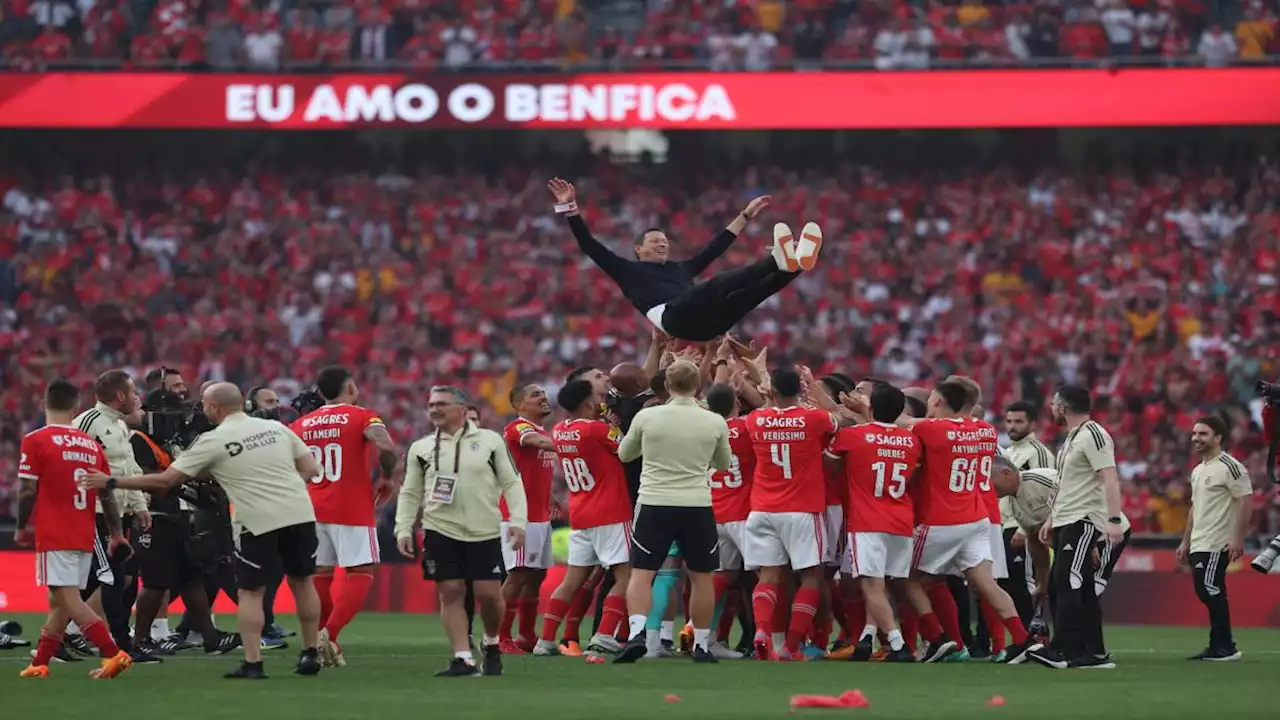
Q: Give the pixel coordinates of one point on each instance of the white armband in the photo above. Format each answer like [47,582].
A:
[562,208]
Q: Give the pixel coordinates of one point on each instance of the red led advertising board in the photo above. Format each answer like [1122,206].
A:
[707,101]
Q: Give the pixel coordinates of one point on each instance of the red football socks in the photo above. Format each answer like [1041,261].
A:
[528,617]
[324,588]
[97,633]
[613,614]
[556,611]
[995,626]
[802,612]
[910,622]
[855,615]
[578,605]
[944,606]
[930,628]
[728,615]
[763,600]
[46,649]
[1017,632]
[508,620]
[352,592]
[781,612]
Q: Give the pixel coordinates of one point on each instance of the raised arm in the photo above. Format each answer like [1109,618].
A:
[720,243]
[566,203]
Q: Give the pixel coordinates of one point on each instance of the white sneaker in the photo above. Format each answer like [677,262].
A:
[661,652]
[784,249]
[604,644]
[545,648]
[328,655]
[808,246]
[720,652]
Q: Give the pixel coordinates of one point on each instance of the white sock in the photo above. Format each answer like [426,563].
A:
[465,655]
[867,632]
[895,640]
[490,640]
[702,639]
[636,624]
[72,627]
[653,642]
[669,630]
[160,629]
[779,640]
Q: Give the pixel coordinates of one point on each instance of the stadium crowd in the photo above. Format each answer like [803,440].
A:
[267,35]
[1158,291]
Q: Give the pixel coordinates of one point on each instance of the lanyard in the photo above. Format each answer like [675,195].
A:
[457,450]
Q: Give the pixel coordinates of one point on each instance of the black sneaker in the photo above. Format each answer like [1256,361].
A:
[10,627]
[152,647]
[491,662]
[308,662]
[746,649]
[863,651]
[670,646]
[1093,662]
[247,671]
[76,643]
[142,657]
[702,655]
[934,652]
[1220,655]
[63,655]
[901,655]
[979,652]
[225,644]
[278,631]
[636,648]
[8,641]
[176,642]
[459,668]
[1049,658]
[1017,654]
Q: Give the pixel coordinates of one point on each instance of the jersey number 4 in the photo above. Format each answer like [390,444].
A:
[781,456]
[968,472]
[329,458]
[577,475]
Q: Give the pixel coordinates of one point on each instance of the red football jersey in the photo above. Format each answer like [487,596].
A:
[958,455]
[879,462]
[54,458]
[731,489]
[588,452]
[788,444]
[537,468]
[343,492]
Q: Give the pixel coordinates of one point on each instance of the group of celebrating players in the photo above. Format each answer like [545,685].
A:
[842,500]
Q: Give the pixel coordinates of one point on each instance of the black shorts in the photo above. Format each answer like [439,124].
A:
[444,558]
[164,556]
[260,559]
[692,529]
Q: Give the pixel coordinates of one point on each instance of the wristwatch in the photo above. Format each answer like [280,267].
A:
[1115,520]
[112,483]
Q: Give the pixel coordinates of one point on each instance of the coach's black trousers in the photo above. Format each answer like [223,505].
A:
[711,308]
[1077,627]
[1209,571]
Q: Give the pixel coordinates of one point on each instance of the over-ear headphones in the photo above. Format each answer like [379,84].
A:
[251,400]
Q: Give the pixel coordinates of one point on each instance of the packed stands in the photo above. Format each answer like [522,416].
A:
[719,35]
[1157,289]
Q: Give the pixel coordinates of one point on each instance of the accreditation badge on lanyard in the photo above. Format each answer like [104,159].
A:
[446,483]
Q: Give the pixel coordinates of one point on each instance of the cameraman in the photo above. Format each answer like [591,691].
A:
[165,560]
[1270,394]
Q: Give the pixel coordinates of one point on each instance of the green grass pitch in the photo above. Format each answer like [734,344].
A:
[392,658]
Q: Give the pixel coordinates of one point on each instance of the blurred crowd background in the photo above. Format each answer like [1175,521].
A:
[720,35]
[1143,265]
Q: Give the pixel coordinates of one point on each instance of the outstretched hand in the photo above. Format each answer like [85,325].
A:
[562,190]
[755,207]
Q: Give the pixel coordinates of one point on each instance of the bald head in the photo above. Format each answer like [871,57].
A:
[222,399]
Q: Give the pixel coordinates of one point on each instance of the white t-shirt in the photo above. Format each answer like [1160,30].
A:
[757,49]
[459,45]
[1217,50]
[263,49]
[720,50]
[889,45]
[1118,24]
[1152,27]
